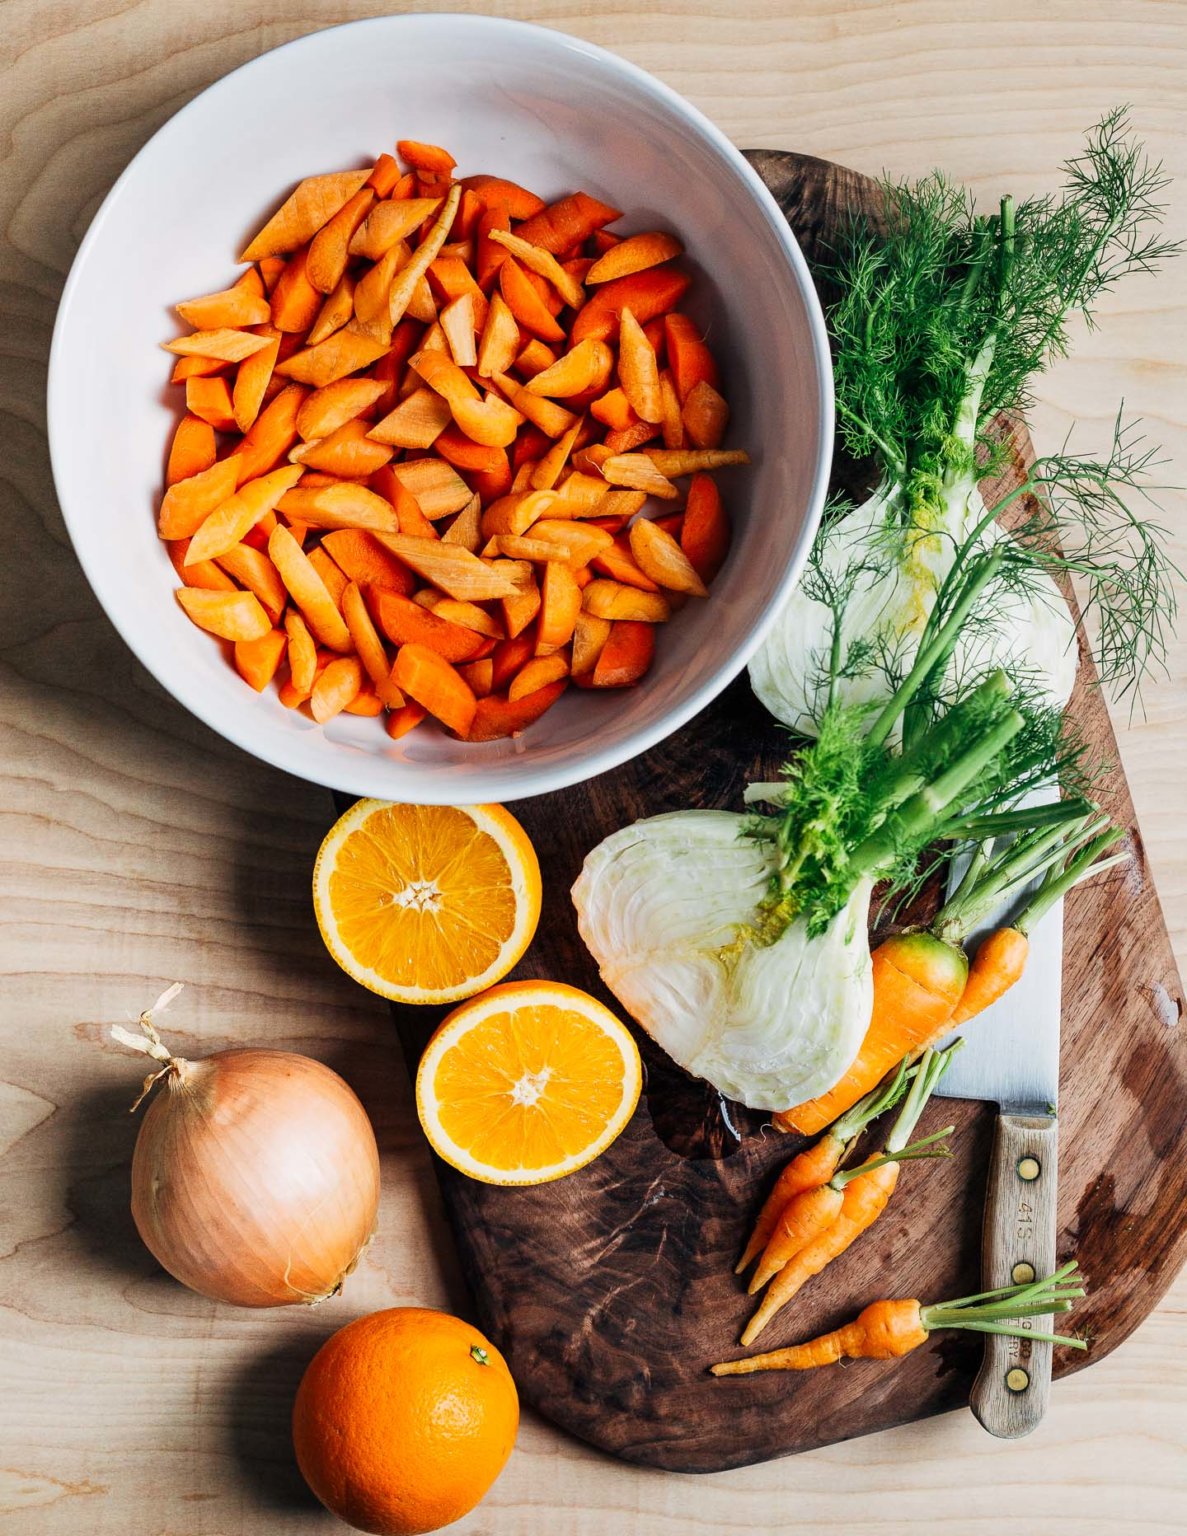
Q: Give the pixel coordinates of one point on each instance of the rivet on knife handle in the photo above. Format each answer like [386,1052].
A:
[1010,1393]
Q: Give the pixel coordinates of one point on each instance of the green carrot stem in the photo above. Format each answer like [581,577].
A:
[918,1151]
[1080,868]
[1065,1339]
[885,1096]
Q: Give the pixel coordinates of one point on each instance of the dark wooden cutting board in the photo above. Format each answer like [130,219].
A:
[611,1291]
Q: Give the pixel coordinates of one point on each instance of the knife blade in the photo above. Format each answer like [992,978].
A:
[1011,1058]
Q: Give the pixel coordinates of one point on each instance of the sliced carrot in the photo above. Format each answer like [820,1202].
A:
[302,653]
[407,509]
[252,378]
[245,303]
[634,255]
[659,556]
[308,590]
[496,717]
[314,201]
[534,358]
[479,675]
[437,486]
[193,449]
[272,434]
[638,473]
[385,173]
[498,194]
[466,527]
[451,279]
[689,358]
[589,640]
[328,251]
[365,561]
[705,415]
[646,294]
[327,409]
[626,655]
[295,301]
[543,264]
[537,674]
[343,504]
[346,351]
[560,604]
[270,268]
[464,453]
[516,513]
[603,240]
[671,421]
[252,569]
[587,366]
[526,304]
[488,255]
[638,370]
[405,622]
[365,702]
[450,567]
[390,368]
[196,368]
[457,321]
[230,615]
[568,222]
[550,468]
[551,418]
[405,719]
[347,452]
[334,313]
[204,574]
[334,578]
[234,518]
[630,438]
[705,532]
[416,422]
[426,676]
[211,400]
[187,503]
[372,294]
[520,611]
[336,687]
[412,275]
[389,223]
[256,661]
[615,600]
[425,157]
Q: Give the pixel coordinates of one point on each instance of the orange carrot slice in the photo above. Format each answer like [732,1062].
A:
[646,294]
[252,569]
[537,674]
[568,222]
[587,366]
[346,351]
[341,505]
[526,304]
[638,370]
[560,604]
[334,313]
[347,452]
[335,687]
[405,622]
[211,400]
[659,556]
[589,640]
[235,517]
[401,721]
[312,203]
[425,157]
[308,590]
[327,409]
[272,434]
[188,503]
[498,194]
[388,223]
[252,379]
[705,532]
[689,358]
[706,415]
[425,676]
[245,303]
[328,251]
[193,449]
[256,661]
[634,255]
[230,615]
[614,600]
[626,656]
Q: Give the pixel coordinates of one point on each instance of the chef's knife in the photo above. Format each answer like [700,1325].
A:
[1011,1058]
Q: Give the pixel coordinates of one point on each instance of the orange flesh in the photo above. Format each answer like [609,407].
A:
[423,896]
[528,1087]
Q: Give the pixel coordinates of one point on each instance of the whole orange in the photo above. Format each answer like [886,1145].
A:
[403,1420]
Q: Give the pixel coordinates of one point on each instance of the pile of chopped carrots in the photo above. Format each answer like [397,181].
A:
[421,434]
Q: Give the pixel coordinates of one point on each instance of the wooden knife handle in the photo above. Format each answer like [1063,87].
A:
[1009,1396]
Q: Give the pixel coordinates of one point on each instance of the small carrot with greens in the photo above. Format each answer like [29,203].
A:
[816,1164]
[864,1194]
[923,983]
[887,1330]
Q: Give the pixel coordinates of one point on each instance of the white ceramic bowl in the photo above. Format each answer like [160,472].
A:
[546,110]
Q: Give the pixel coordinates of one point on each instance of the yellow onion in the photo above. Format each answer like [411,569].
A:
[255,1178]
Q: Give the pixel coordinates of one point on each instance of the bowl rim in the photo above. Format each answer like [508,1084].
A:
[361,774]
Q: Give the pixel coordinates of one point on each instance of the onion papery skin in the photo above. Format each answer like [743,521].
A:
[255,1178]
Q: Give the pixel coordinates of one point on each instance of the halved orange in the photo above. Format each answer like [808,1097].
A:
[426,903]
[527,1083]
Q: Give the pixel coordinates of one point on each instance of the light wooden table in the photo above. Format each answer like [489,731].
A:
[139,848]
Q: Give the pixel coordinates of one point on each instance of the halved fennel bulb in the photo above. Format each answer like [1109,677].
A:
[666,907]
[1028,633]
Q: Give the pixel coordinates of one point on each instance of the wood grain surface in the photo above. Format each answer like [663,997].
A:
[138,848]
